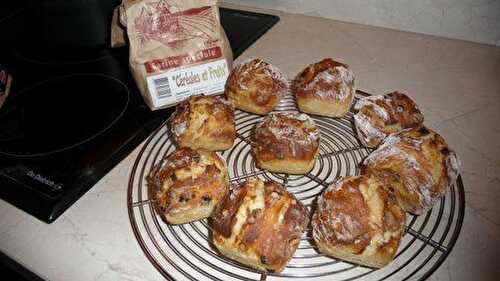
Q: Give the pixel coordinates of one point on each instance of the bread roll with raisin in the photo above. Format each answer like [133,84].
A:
[417,165]
[205,122]
[358,221]
[188,184]
[325,88]
[256,86]
[286,142]
[381,115]
[259,224]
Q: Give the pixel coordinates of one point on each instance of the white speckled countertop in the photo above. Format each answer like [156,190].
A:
[456,84]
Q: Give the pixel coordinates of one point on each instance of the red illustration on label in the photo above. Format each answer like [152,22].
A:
[157,22]
[176,61]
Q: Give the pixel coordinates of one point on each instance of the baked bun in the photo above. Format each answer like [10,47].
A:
[188,184]
[417,165]
[358,221]
[256,86]
[259,224]
[379,116]
[286,142]
[325,88]
[205,122]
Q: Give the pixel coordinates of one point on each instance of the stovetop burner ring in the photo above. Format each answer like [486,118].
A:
[116,117]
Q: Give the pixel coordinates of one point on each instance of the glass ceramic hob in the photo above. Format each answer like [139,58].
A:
[73,114]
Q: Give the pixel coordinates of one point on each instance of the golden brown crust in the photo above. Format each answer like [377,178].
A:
[187,185]
[325,88]
[255,86]
[259,224]
[224,217]
[286,142]
[379,116]
[417,165]
[205,122]
[358,221]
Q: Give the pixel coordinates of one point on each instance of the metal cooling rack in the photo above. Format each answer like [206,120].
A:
[184,252]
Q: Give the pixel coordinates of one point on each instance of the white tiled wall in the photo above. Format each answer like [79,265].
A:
[472,20]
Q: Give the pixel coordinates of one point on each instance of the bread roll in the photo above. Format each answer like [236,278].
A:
[286,142]
[417,165]
[325,88]
[256,86]
[259,224]
[205,122]
[187,185]
[379,116]
[358,221]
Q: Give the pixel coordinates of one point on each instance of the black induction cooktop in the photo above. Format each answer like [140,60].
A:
[74,113]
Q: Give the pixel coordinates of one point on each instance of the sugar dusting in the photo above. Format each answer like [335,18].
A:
[275,73]
[365,130]
[418,180]
[180,128]
[224,101]
[370,101]
[221,104]
[342,78]
[258,69]
[295,135]
[341,222]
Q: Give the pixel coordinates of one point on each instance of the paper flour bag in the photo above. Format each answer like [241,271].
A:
[177,49]
[118,36]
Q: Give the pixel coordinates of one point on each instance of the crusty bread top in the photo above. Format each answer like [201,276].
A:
[327,80]
[210,116]
[261,81]
[420,160]
[261,218]
[381,115]
[283,135]
[357,213]
[188,179]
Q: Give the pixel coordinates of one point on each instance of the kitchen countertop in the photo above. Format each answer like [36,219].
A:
[455,83]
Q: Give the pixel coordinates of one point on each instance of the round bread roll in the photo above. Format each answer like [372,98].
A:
[188,184]
[358,221]
[256,86]
[379,116]
[417,165]
[286,142]
[259,224]
[325,88]
[205,122]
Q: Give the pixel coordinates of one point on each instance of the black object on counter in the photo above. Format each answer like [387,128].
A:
[75,112]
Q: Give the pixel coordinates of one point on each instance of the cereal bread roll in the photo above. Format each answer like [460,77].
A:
[205,122]
[259,224]
[325,88]
[286,142]
[357,220]
[417,165]
[256,86]
[188,184]
[381,115]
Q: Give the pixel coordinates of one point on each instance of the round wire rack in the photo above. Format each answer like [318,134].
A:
[184,252]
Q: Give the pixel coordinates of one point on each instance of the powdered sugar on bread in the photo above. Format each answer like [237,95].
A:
[256,68]
[381,115]
[371,101]
[294,134]
[366,130]
[419,165]
[340,77]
